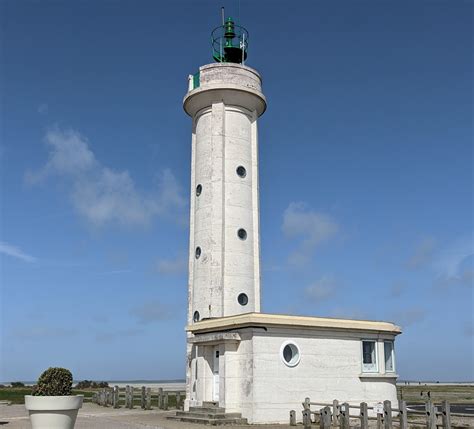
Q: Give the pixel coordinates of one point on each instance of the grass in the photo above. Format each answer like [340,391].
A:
[16,395]
[456,394]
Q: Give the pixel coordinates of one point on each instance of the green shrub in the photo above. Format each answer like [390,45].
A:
[87,384]
[17,384]
[54,382]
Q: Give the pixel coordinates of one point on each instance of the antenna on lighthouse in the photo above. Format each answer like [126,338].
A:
[229,42]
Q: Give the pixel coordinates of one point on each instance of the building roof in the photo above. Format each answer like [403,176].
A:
[281,320]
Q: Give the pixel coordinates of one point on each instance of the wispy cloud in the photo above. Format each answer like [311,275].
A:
[100,194]
[107,337]
[398,288]
[43,109]
[177,265]
[149,312]
[43,333]
[16,252]
[422,254]
[455,264]
[409,316]
[310,227]
[321,289]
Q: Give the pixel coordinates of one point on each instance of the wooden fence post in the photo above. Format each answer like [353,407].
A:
[325,419]
[292,418]
[165,401]
[131,397]
[403,415]
[387,415]
[307,419]
[446,415]
[160,398]
[143,398]
[306,404]
[364,416]
[430,411]
[127,396]
[335,412]
[178,400]
[379,421]
[116,397]
[345,419]
[148,399]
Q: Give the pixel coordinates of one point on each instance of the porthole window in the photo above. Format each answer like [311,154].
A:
[198,190]
[241,171]
[196,316]
[242,234]
[290,354]
[243,299]
[198,252]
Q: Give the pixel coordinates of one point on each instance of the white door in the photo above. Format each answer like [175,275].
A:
[215,373]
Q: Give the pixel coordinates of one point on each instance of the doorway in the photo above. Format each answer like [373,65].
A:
[215,374]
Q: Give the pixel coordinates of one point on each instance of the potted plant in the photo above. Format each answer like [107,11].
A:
[51,405]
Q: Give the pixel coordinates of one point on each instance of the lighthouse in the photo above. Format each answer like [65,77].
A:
[244,365]
[224,100]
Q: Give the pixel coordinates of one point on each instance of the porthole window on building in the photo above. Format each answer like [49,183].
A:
[369,356]
[243,299]
[241,171]
[389,355]
[198,252]
[198,190]
[290,354]
[196,316]
[242,234]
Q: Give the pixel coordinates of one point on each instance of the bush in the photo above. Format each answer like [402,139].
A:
[87,384]
[54,382]
[17,384]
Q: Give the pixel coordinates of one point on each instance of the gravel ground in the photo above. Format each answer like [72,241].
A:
[92,416]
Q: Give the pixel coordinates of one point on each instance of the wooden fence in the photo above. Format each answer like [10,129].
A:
[386,417]
[128,397]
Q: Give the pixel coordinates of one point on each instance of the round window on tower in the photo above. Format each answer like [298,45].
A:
[198,252]
[198,190]
[241,171]
[196,316]
[242,234]
[290,354]
[243,299]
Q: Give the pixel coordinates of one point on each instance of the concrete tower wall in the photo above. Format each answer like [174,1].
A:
[224,108]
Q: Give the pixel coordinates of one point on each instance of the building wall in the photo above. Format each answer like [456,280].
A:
[224,138]
[259,385]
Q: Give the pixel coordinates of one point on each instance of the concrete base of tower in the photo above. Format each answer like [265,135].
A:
[263,365]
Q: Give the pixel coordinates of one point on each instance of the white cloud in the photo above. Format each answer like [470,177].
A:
[100,194]
[322,289]
[312,228]
[422,254]
[43,333]
[15,252]
[177,265]
[150,312]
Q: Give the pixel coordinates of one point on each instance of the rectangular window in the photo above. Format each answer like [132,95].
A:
[389,356]
[369,356]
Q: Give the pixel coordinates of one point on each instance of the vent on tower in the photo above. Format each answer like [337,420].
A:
[229,42]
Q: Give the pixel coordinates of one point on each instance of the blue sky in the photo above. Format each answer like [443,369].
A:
[366,164]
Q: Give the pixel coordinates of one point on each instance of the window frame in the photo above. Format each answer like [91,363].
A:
[392,353]
[374,367]
[282,357]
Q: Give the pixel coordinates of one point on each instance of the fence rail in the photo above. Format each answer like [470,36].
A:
[129,396]
[386,416]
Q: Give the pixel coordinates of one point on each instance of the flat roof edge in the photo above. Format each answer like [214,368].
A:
[259,319]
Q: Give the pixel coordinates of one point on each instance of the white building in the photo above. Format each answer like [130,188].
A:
[244,361]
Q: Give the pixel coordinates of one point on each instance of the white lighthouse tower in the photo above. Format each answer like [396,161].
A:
[244,365]
[224,101]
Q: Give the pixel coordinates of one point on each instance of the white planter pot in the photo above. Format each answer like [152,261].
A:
[53,412]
